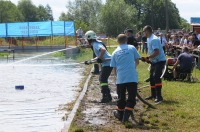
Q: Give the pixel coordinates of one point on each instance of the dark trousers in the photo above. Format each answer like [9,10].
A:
[103,79]
[144,48]
[131,88]
[104,74]
[155,80]
[156,72]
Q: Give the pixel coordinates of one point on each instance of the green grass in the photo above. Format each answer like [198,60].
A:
[4,54]
[58,54]
[86,54]
[50,41]
[180,110]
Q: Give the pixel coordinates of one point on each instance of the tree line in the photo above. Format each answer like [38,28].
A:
[113,16]
[25,10]
[110,17]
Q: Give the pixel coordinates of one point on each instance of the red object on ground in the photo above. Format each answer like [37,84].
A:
[171,61]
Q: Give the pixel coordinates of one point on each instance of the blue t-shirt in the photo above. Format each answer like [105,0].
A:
[153,42]
[97,45]
[123,59]
[186,61]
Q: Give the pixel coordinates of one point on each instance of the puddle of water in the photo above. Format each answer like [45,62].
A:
[34,109]
[93,116]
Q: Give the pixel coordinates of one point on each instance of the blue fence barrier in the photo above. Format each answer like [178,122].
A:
[30,29]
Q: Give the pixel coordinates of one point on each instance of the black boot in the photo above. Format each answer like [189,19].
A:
[105,96]
[127,114]
[153,94]
[118,114]
[96,69]
[105,99]
[159,97]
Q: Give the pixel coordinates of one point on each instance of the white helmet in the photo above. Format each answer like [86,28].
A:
[90,35]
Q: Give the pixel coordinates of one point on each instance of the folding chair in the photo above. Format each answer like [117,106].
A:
[187,75]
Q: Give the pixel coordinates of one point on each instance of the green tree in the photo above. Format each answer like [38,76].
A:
[83,11]
[153,12]
[63,17]
[78,23]
[82,24]
[41,13]
[114,18]
[140,6]
[28,10]
[9,12]
[174,17]
[185,24]
[49,13]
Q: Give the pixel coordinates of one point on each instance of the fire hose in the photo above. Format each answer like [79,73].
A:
[138,96]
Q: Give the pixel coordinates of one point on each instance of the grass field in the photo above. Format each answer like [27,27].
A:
[180,110]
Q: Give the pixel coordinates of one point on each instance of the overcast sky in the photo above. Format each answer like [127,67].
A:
[187,8]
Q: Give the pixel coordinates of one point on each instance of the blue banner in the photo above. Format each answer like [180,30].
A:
[40,29]
[58,28]
[69,29]
[29,29]
[195,20]
[17,29]
[2,30]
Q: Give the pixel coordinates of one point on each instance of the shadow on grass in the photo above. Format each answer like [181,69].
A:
[193,80]
[144,127]
[142,124]
[138,122]
[170,102]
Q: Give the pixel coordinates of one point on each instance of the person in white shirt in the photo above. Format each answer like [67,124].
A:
[163,41]
[185,42]
[79,33]
[198,36]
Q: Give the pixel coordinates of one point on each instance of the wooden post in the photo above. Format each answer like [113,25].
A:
[50,42]
[65,41]
[76,39]
[36,44]
[9,42]
[22,40]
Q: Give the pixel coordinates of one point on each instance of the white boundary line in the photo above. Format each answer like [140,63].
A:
[76,105]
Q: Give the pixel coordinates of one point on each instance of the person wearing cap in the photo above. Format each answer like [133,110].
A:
[124,61]
[130,38]
[157,59]
[103,57]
